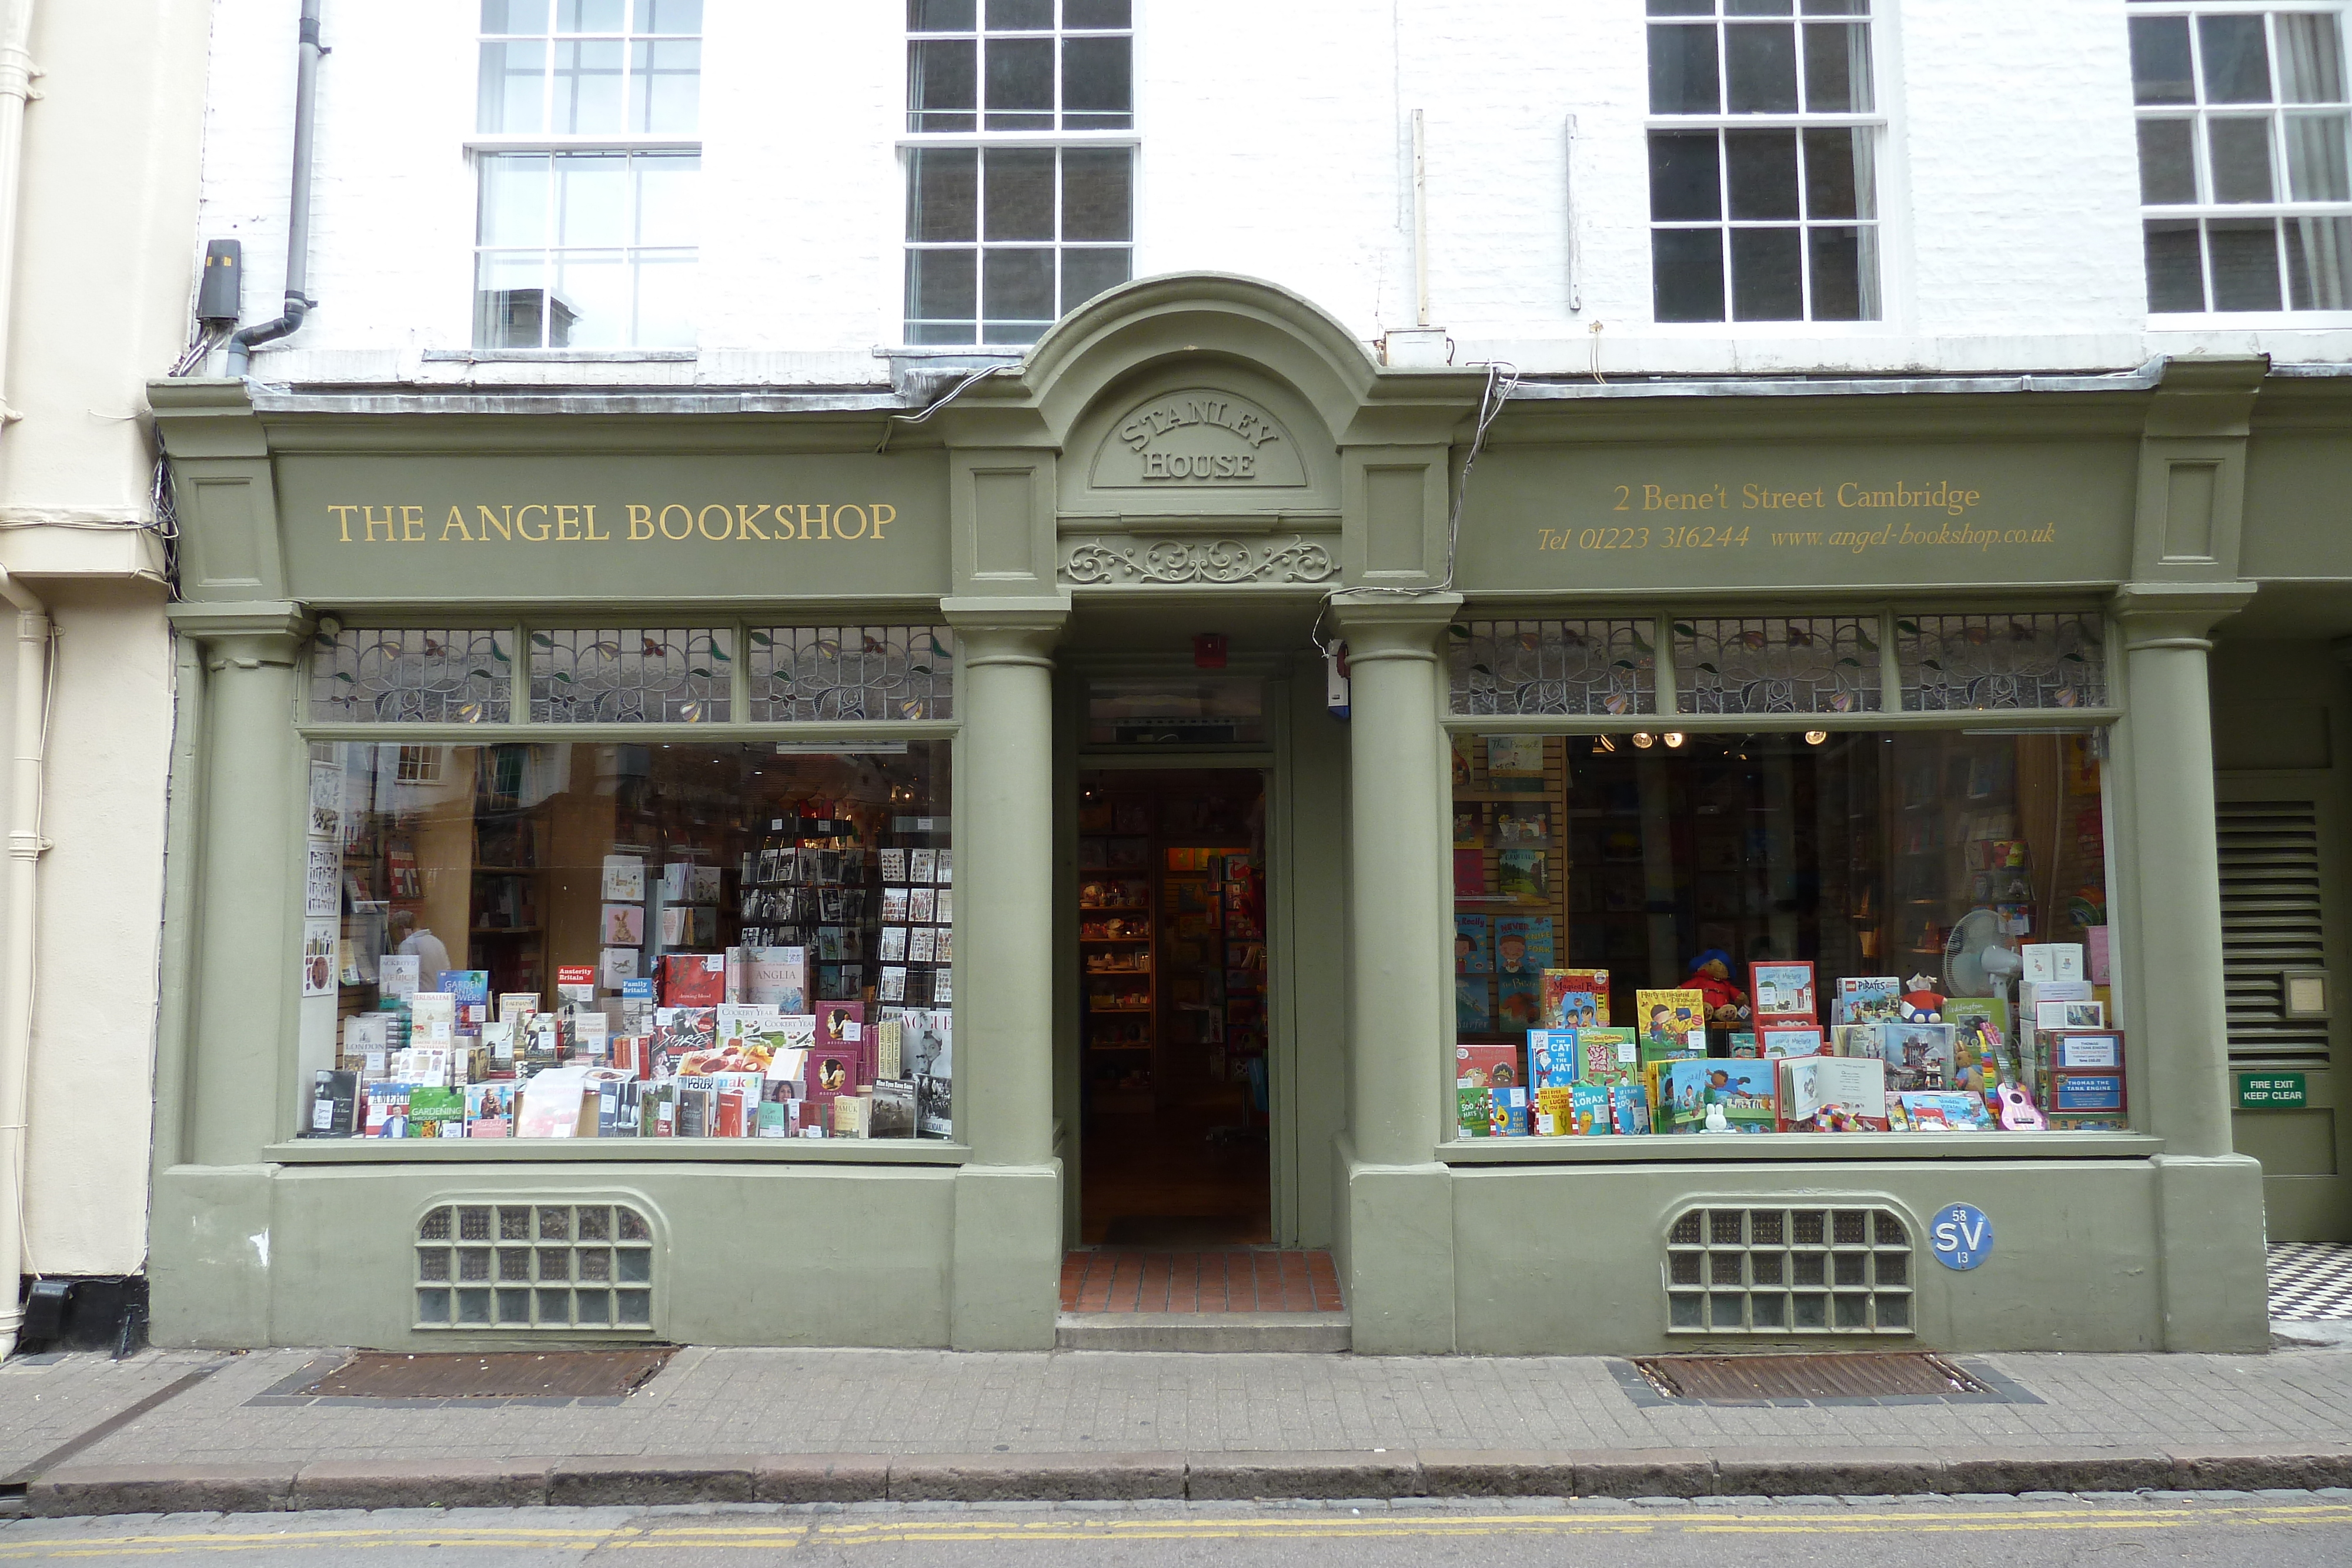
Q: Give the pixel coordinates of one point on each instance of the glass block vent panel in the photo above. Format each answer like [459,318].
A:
[828,673]
[566,1268]
[405,675]
[1553,666]
[1784,1271]
[632,675]
[1777,663]
[1968,662]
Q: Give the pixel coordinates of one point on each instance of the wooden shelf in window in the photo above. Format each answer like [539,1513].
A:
[506,930]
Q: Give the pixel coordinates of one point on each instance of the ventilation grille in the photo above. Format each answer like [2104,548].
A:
[569,1268]
[2270,925]
[1789,1271]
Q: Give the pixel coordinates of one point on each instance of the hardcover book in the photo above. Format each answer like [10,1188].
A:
[1558,985]
[1517,1000]
[1473,954]
[1487,1066]
[1831,1093]
[1607,1056]
[334,1103]
[1744,1090]
[1474,1109]
[1782,992]
[1515,764]
[1869,998]
[1673,1023]
[1474,1006]
[1522,944]
[1790,1039]
[893,1109]
[1551,1058]
[1917,1055]
[1519,874]
[693,980]
[1469,874]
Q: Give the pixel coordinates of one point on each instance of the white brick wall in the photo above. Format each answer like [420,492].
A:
[1274,144]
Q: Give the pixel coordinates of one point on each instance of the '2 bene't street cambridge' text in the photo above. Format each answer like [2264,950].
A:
[1782,514]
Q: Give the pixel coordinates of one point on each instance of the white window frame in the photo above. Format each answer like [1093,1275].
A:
[1876,121]
[2197,114]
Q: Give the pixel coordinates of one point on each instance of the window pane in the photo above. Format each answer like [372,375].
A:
[2311,58]
[588,86]
[1687,274]
[1020,15]
[1087,273]
[1096,81]
[1766,281]
[1682,71]
[1837,8]
[514,88]
[593,286]
[1759,8]
[510,302]
[1837,68]
[1682,7]
[2168,161]
[2245,263]
[666,215]
[1098,193]
[1685,182]
[2176,269]
[1762,166]
[1020,84]
[943,194]
[592,204]
[1759,69]
[2160,51]
[2239,149]
[1097,13]
[2316,158]
[1019,194]
[669,16]
[1838,183]
[1016,285]
[666,85]
[1845,274]
[939,16]
[941,284]
[514,16]
[2319,263]
[591,16]
[2237,62]
[514,199]
[664,301]
[941,83]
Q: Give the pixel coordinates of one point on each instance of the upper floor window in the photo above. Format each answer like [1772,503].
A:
[1021,163]
[585,231]
[1763,135]
[2245,157]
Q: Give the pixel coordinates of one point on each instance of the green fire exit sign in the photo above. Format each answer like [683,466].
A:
[2270,1092]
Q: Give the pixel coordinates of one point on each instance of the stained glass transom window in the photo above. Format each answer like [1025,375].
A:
[632,675]
[1973,661]
[1775,663]
[804,673]
[1599,667]
[377,675]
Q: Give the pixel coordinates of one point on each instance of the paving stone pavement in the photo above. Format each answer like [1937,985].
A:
[44,1400]
[751,1402]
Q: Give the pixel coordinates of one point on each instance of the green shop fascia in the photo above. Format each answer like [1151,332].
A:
[1872,675]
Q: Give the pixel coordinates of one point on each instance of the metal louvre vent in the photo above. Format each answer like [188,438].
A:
[1789,1271]
[572,1267]
[2270,926]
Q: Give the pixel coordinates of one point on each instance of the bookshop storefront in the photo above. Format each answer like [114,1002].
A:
[694,868]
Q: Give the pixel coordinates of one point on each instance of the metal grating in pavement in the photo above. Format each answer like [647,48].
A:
[505,1374]
[1717,1379]
[2311,1281]
[1216,1280]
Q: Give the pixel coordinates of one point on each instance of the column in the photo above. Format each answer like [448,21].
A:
[2209,1199]
[1398,1220]
[1008,1228]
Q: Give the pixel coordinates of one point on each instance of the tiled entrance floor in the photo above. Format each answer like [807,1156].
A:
[1218,1280]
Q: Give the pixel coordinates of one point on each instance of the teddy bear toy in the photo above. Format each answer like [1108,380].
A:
[1710,976]
[1922,1003]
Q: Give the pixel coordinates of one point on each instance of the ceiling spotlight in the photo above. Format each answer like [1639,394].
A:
[1816,736]
[1604,743]
[1641,738]
[1673,737]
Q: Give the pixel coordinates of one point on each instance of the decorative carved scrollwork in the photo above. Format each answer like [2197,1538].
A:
[1096,562]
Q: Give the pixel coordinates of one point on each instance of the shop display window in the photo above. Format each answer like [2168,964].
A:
[605,939]
[1828,931]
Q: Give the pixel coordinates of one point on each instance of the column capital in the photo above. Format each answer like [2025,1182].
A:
[1012,630]
[1391,625]
[2176,614]
[249,633]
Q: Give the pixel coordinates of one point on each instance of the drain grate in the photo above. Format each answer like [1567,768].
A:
[1713,1379]
[505,1374]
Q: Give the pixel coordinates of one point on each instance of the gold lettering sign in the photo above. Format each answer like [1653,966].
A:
[1199,438]
[650,522]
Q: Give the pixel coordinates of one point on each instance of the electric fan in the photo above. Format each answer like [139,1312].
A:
[1976,962]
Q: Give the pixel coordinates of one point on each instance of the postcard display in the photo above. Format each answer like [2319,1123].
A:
[800,987]
[1172,933]
[1550,886]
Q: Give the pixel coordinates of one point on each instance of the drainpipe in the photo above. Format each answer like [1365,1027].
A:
[17,913]
[16,74]
[298,303]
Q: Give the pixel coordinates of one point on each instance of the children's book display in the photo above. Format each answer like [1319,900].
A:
[1892,1056]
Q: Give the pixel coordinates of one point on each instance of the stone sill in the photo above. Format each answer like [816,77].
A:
[617,1151]
[1755,1147]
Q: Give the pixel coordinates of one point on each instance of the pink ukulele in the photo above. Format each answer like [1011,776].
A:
[2017,1110]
